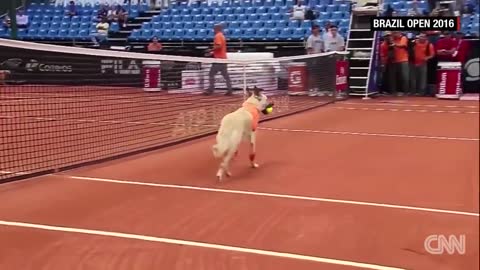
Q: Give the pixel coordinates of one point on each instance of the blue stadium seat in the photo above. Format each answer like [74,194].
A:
[269,3]
[32,33]
[344,23]
[62,34]
[64,25]
[86,19]
[281,24]
[201,35]
[257,3]
[274,10]
[331,8]
[289,3]
[241,17]
[220,18]
[236,34]
[52,34]
[178,25]
[167,35]
[253,17]
[45,25]
[57,19]
[273,34]
[72,33]
[178,34]
[177,18]
[174,11]
[299,34]
[206,11]
[190,34]
[324,2]
[269,24]
[279,3]
[55,25]
[188,25]
[33,25]
[185,11]
[245,25]
[135,35]
[265,17]
[199,25]
[36,18]
[261,10]
[278,16]
[46,18]
[146,34]
[208,18]
[250,10]
[166,18]
[22,33]
[319,8]
[343,8]
[85,26]
[133,13]
[156,25]
[74,19]
[228,10]
[236,24]
[337,15]
[261,34]
[257,24]
[114,27]
[239,10]
[247,3]
[286,34]
[187,18]
[346,14]
[248,34]
[324,15]
[146,25]
[293,24]
[231,18]
[236,3]
[156,18]
[157,33]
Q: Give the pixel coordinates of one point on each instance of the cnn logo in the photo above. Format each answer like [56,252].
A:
[439,244]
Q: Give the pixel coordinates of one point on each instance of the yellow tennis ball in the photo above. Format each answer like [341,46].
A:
[269,110]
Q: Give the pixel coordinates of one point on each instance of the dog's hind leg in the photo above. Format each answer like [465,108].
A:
[224,166]
[253,150]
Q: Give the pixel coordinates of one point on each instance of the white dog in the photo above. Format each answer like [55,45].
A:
[237,126]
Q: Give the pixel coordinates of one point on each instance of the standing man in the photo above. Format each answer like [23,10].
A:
[219,51]
[314,45]
[400,67]
[334,41]
[423,51]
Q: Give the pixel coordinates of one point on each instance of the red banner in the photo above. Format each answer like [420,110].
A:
[341,75]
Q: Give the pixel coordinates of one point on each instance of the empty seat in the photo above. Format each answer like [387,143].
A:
[257,24]
[248,34]
[281,24]
[331,8]
[209,18]
[265,17]
[286,34]
[261,10]
[220,18]
[187,18]
[279,3]
[228,10]
[178,25]
[239,10]
[188,25]
[250,10]
[261,34]
[253,17]
[337,15]
[273,34]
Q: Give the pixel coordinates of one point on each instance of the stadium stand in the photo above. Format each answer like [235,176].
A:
[247,21]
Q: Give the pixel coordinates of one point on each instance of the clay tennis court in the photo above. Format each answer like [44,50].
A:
[351,185]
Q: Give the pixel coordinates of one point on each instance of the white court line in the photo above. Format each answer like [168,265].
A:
[274,195]
[409,105]
[404,110]
[197,244]
[371,134]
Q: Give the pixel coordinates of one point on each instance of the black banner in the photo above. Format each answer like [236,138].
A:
[470,69]
[54,68]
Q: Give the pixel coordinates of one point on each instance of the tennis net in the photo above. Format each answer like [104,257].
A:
[63,107]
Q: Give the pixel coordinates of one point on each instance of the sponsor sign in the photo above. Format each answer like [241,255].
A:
[449,80]
[341,75]
[471,68]
[121,67]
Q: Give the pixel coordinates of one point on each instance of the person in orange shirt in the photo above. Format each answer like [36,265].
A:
[154,46]
[423,51]
[386,58]
[219,51]
[399,69]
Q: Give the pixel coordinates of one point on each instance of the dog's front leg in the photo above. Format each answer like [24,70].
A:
[253,150]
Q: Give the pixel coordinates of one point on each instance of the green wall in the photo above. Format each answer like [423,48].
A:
[5,5]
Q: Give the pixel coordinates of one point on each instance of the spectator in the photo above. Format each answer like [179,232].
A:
[328,24]
[102,12]
[71,9]
[333,40]
[386,59]
[118,14]
[298,11]
[423,51]
[22,19]
[446,47]
[314,45]
[7,22]
[154,45]
[415,10]
[460,53]
[398,65]
[101,33]
[219,51]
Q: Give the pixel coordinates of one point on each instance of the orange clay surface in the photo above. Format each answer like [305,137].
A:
[390,156]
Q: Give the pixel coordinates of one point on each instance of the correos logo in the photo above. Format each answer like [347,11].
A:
[33,65]
[472,70]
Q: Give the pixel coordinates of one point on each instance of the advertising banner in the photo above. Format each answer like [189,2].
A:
[470,69]
[341,76]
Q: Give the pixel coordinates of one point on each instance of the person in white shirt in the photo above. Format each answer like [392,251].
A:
[298,11]
[314,45]
[22,19]
[333,40]
[102,32]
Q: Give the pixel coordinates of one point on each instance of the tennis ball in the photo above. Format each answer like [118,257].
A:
[269,110]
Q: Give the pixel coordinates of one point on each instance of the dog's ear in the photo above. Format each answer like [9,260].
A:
[257,91]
